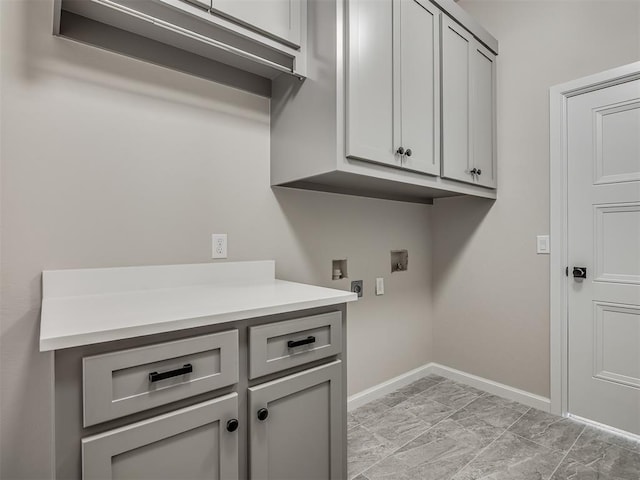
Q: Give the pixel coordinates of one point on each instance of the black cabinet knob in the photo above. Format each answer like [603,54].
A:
[479,172]
[400,151]
[263,413]
[473,171]
[409,152]
[232,425]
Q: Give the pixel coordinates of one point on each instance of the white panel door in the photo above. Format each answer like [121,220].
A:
[457,47]
[420,85]
[279,18]
[604,236]
[370,82]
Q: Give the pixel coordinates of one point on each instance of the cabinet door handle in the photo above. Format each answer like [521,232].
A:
[473,171]
[409,152]
[297,343]
[263,413]
[479,172]
[400,151]
[155,376]
[232,425]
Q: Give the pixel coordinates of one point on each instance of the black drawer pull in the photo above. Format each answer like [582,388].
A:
[155,376]
[297,343]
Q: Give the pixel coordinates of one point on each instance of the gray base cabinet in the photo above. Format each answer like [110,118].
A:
[189,444]
[295,427]
[259,399]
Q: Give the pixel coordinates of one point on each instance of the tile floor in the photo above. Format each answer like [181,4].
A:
[439,429]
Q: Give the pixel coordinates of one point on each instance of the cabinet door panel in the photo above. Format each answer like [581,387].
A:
[190,443]
[302,436]
[420,86]
[483,111]
[456,103]
[280,18]
[370,84]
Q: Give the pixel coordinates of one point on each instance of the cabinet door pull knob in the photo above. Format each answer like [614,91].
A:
[155,376]
[409,152]
[263,413]
[400,151]
[479,172]
[232,425]
[473,171]
[297,343]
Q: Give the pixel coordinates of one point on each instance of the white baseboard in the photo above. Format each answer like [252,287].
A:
[384,388]
[499,389]
[606,428]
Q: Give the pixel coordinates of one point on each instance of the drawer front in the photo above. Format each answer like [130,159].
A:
[121,383]
[281,345]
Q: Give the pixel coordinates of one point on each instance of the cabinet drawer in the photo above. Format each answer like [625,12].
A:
[128,381]
[277,346]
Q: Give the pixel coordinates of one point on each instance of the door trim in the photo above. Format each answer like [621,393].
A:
[558,97]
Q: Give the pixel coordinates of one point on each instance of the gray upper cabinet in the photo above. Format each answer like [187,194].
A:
[419,82]
[192,443]
[278,18]
[483,121]
[396,105]
[457,44]
[254,39]
[296,425]
[468,108]
[393,84]
[370,87]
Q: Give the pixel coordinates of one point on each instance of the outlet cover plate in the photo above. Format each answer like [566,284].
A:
[219,245]
[356,287]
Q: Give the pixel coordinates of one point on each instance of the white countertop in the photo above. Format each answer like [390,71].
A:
[82,307]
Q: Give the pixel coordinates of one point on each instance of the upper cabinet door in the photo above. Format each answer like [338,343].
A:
[420,85]
[483,85]
[278,18]
[370,82]
[457,45]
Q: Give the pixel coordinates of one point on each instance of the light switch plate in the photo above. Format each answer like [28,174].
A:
[379,286]
[543,244]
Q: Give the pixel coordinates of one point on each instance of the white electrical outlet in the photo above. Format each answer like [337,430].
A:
[219,245]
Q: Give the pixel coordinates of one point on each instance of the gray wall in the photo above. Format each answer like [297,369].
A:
[108,161]
[491,290]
